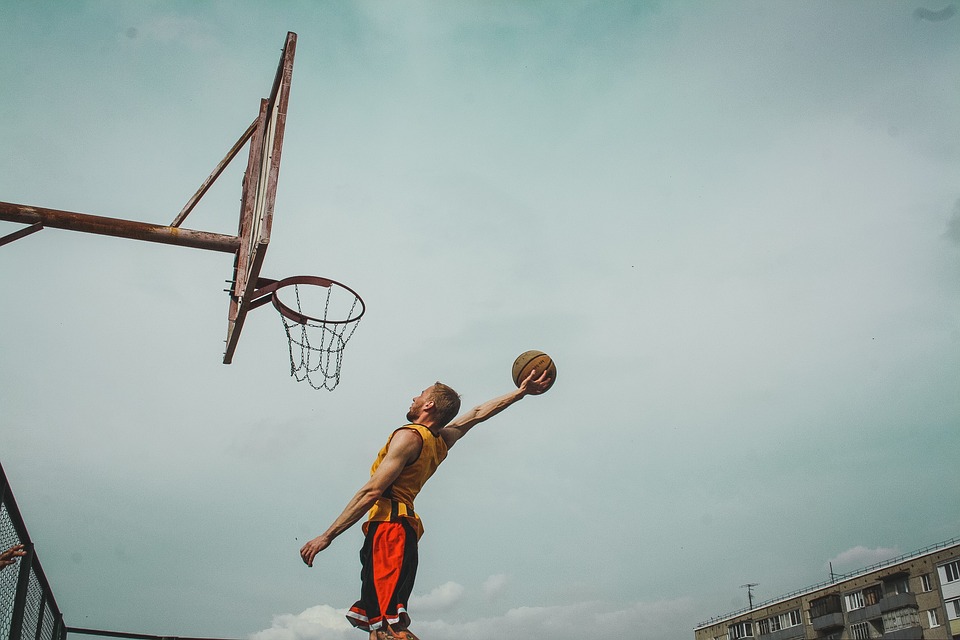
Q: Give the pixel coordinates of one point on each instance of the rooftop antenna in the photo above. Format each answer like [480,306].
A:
[749,587]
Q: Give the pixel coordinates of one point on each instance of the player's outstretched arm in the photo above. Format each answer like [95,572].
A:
[404,447]
[459,426]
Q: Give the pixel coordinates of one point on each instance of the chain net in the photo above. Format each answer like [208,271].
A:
[316,346]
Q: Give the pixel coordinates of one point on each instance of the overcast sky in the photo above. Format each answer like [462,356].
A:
[735,226]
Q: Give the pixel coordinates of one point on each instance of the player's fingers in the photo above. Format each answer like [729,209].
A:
[308,554]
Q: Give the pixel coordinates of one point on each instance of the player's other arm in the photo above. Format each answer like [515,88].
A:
[404,448]
[460,425]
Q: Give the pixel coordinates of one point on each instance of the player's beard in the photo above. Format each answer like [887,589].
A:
[414,411]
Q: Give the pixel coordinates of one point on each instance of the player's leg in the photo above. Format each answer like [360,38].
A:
[388,569]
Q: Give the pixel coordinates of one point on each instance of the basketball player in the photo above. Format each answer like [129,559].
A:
[406,462]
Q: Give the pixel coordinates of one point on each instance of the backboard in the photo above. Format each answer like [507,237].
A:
[327,312]
[259,196]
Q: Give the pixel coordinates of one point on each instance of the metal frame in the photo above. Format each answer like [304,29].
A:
[267,289]
[265,135]
[86,223]
[27,566]
[133,636]
[29,570]
[259,195]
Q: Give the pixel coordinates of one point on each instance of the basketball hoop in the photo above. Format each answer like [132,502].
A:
[316,343]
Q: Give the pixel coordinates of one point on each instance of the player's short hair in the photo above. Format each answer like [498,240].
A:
[446,402]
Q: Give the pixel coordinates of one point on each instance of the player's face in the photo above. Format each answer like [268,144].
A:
[417,405]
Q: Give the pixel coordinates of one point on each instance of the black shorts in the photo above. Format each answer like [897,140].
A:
[388,568]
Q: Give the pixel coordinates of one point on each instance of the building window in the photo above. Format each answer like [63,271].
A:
[794,618]
[953,609]
[854,601]
[782,621]
[951,571]
[933,618]
[860,631]
[925,583]
[741,630]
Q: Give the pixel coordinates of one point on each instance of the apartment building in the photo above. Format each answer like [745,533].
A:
[913,597]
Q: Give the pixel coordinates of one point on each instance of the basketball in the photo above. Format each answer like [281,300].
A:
[529,360]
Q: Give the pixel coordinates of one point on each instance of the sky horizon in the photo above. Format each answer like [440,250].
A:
[735,227]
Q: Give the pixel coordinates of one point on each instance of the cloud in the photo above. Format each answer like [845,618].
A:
[935,16]
[665,619]
[442,598]
[495,585]
[597,620]
[861,556]
[321,622]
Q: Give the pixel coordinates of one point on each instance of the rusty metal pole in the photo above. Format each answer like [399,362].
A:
[22,233]
[116,227]
[192,202]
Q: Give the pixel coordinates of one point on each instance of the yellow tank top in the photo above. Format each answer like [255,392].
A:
[397,500]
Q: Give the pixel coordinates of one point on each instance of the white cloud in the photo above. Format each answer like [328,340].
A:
[442,598]
[321,622]
[495,585]
[665,619]
[861,556]
[597,620]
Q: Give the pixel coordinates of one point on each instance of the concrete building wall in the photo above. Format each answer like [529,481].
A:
[915,597]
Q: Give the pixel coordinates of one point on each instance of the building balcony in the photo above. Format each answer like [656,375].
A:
[898,601]
[827,622]
[863,614]
[910,633]
[790,633]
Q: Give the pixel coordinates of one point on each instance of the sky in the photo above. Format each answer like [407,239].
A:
[735,227]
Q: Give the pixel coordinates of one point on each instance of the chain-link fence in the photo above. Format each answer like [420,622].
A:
[27,608]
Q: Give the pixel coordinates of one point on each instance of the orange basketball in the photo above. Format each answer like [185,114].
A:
[529,360]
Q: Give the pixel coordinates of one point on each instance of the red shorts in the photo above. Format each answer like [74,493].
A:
[388,569]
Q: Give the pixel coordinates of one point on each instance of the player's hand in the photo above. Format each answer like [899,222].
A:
[310,550]
[536,384]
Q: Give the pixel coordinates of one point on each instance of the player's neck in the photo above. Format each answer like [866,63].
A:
[425,420]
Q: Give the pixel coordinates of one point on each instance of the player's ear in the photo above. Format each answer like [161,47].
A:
[429,405]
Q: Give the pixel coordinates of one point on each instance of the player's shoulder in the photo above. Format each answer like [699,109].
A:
[411,429]
[407,442]
[407,435]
